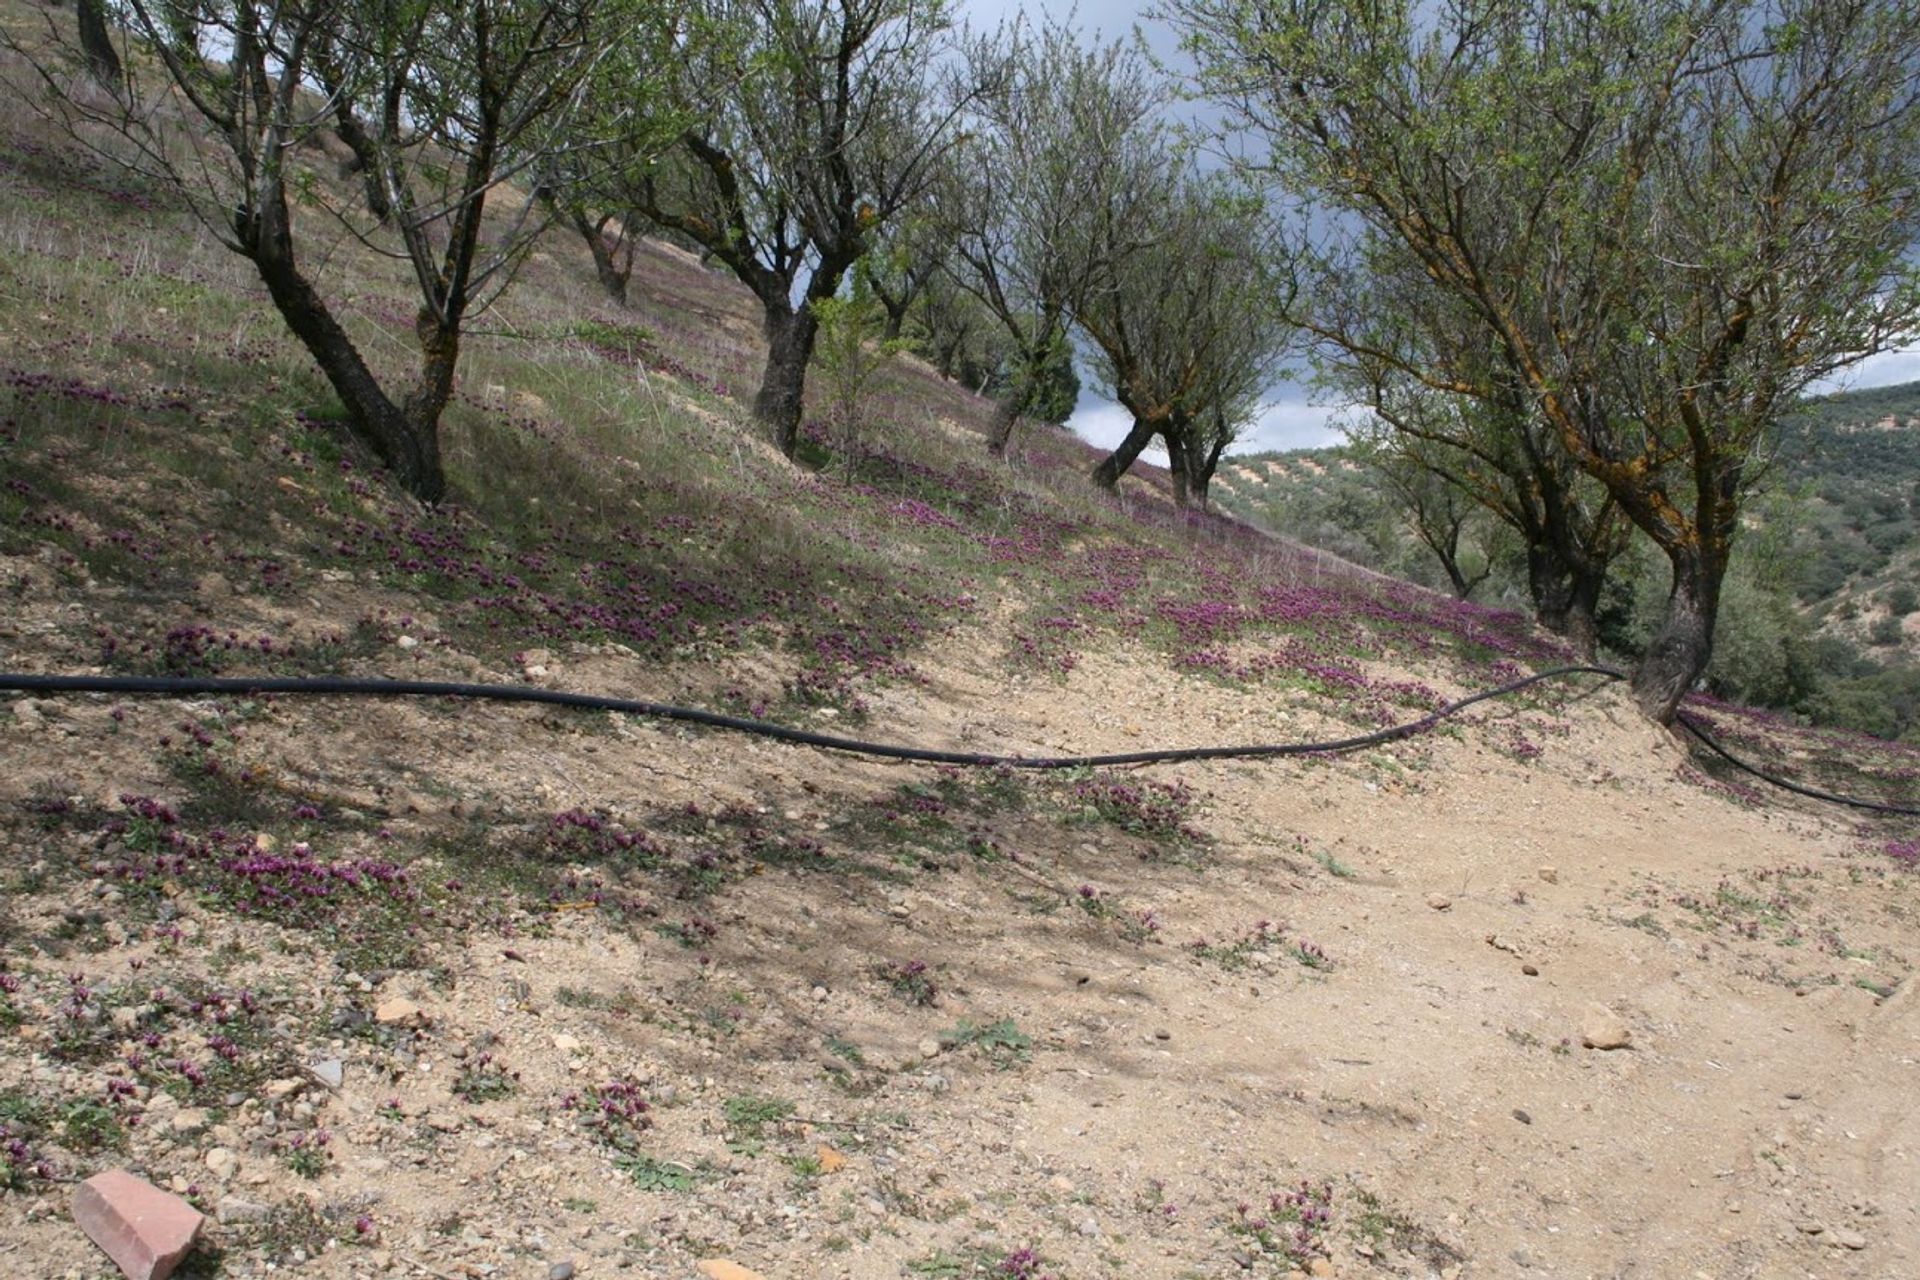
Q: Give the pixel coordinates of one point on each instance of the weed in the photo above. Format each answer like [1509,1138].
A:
[912,981]
[1263,940]
[748,1118]
[484,1079]
[87,1126]
[805,1168]
[1328,862]
[306,1153]
[650,1174]
[1002,1042]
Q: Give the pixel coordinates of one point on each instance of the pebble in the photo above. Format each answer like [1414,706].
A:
[222,1163]
[1550,874]
[819,994]
[929,1048]
[330,1072]
[1439,901]
[561,1270]
[1531,970]
[1849,1239]
[1522,1116]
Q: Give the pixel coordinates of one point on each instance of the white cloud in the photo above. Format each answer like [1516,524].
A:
[1902,365]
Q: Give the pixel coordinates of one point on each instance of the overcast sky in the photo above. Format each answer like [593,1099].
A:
[1290,419]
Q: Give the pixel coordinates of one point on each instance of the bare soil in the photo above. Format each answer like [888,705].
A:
[1425,1076]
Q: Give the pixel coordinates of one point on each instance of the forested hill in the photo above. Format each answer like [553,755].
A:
[1853,460]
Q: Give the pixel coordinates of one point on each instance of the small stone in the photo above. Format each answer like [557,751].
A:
[146,1231]
[1090,1229]
[330,1072]
[831,1161]
[561,1270]
[929,1048]
[725,1269]
[1522,1116]
[189,1120]
[1320,1267]
[1439,901]
[1604,1029]
[222,1163]
[1810,1227]
[1550,874]
[407,642]
[232,1209]
[1531,970]
[398,1012]
[1163,1034]
[1849,1239]
[566,1043]
[819,994]
[1060,1184]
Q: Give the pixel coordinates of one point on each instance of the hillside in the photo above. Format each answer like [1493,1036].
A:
[1834,539]
[1850,464]
[424,988]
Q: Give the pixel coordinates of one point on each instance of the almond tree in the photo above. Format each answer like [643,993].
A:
[1065,139]
[447,102]
[1185,314]
[1666,217]
[834,127]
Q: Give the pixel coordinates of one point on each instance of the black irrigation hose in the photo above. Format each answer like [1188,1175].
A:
[1798,789]
[351,687]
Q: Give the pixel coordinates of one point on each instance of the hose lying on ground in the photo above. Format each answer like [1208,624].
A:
[343,686]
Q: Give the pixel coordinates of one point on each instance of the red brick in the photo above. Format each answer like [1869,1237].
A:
[146,1231]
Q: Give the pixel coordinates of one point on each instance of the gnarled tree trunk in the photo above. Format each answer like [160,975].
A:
[781,398]
[406,440]
[1107,474]
[97,42]
[1566,597]
[1681,648]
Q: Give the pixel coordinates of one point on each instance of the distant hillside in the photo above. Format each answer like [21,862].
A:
[1844,479]
[1849,466]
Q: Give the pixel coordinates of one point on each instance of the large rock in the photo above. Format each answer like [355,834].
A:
[398,1012]
[724,1269]
[1602,1028]
[146,1231]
